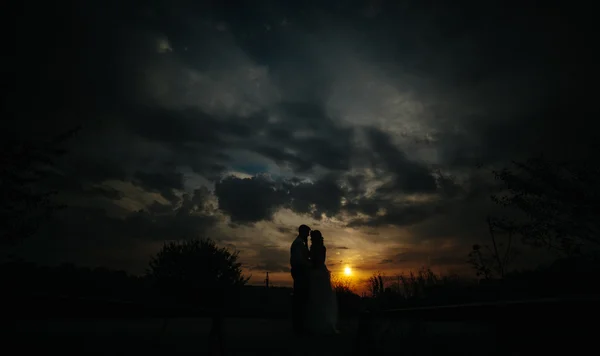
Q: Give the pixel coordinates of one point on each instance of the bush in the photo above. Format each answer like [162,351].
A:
[349,303]
[197,271]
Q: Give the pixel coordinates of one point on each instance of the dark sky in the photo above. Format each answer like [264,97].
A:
[241,120]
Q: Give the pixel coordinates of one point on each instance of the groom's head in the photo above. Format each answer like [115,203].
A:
[304,231]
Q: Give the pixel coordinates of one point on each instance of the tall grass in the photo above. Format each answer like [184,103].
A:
[414,287]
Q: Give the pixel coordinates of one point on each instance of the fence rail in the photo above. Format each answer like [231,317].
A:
[46,307]
[516,322]
[539,320]
[36,307]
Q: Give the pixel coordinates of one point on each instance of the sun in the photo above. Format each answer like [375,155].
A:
[348,271]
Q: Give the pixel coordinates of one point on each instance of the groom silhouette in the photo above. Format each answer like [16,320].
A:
[300,263]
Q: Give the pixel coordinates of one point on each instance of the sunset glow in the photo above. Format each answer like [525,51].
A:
[232,124]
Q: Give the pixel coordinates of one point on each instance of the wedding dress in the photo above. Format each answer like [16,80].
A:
[322,311]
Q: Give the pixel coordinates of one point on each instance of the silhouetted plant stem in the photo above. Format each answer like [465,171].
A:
[496,254]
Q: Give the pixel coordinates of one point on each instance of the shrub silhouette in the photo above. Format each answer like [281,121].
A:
[348,301]
[376,285]
[197,272]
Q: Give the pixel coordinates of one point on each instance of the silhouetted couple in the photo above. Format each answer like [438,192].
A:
[314,302]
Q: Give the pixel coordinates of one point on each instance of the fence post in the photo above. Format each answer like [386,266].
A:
[215,339]
[163,328]
[365,342]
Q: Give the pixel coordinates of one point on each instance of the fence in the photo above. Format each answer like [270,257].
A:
[44,307]
[531,326]
[517,327]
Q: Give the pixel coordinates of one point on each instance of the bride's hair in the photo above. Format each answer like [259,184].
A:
[316,237]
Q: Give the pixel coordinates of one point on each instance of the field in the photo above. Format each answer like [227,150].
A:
[241,337]
[180,336]
[501,329]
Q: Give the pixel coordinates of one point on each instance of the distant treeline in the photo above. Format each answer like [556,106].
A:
[26,279]
[565,277]
[67,280]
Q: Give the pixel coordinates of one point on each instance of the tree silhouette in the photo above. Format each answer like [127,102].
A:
[558,204]
[24,200]
[493,261]
[480,263]
[197,271]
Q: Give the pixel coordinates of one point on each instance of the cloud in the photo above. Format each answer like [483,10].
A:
[248,200]
[272,259]
[407,176]
[366,122]
[322,197]
[160,182]
[91,236]
[106,192]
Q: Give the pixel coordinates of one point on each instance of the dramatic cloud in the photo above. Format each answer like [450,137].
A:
[248,199]
[366,120]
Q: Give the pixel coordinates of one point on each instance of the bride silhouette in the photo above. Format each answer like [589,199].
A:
[321,311]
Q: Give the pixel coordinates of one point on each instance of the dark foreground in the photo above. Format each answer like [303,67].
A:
[179,337]
[255,337]
[501,328]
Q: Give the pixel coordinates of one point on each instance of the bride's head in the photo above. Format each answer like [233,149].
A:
[316,237]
